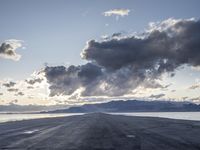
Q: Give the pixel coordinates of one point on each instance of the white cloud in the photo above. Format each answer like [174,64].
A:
[195,68]
[116,12]
[195,86]
[167,25]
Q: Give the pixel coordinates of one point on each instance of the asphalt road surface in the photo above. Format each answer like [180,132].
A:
[99,131]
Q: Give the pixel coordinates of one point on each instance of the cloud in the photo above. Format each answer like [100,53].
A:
[19,94]
[154,85]
[33,81]
[117,12]
[196,68]
[1,94]
[195,99]
[13,90]
[9,84]
[65,81]
[13,102]
[30,87]
[185,98]
[8,49]
[117,66]
[196,86]
[159,51]
[157,96]
[116,34]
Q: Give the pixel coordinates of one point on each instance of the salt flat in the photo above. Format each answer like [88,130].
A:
[98,131]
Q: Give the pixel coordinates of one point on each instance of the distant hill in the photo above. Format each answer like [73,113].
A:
[132,106]
[15,108]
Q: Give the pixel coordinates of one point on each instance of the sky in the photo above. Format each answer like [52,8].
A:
[75,52]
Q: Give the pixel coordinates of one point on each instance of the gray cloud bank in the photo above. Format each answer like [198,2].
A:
[119,65]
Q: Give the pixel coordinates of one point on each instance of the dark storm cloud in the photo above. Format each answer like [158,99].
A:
[119,65]
[9,84]
[65,81]
[33,81]
[157,96]
[159,51]
[89,73]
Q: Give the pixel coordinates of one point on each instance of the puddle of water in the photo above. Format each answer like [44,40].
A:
[130,136]
[31,131]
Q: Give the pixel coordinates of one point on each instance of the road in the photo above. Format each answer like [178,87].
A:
[100,131]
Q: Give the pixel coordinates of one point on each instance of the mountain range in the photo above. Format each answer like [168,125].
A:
[132,106]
